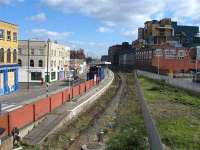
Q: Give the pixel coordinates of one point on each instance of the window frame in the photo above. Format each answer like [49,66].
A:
[2,59]
[3,32]
[15,38]
[8,55]
[32,63]
[8,31]
[40,63]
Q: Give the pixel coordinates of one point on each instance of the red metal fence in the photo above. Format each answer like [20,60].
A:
[32,112]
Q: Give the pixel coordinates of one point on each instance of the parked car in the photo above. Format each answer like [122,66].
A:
[196,77]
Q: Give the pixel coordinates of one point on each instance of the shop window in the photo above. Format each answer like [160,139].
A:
[36,75]
[15,56]
[8,56]
[19,62]
[40,63]
[1,55]
[32,63]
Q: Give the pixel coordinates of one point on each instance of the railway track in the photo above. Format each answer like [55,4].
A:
[103,121]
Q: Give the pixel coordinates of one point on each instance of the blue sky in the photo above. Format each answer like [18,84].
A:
[92,24]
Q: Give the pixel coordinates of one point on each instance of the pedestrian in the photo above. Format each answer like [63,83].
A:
[15,134]
[42,81]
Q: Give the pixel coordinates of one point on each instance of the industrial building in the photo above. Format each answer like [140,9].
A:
[8,57]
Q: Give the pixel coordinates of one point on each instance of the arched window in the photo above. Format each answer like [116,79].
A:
[32,63]
[15,56]
[2,55]
[20,62]
[40,63]
[8,56]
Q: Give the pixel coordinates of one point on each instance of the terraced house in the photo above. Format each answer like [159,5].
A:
[8,57]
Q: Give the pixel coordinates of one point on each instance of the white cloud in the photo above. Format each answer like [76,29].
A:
[9,2]
[130,14]
[45,34]
[104,29]
[92,48]
[40,17]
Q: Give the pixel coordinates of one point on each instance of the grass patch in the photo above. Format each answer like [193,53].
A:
[176,112]
[129,132]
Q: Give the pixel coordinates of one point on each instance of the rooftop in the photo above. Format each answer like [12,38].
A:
[8,23]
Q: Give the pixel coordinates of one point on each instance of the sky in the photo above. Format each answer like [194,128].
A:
[93,25]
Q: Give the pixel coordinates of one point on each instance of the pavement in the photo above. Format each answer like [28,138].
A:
[66,112]
[23,96]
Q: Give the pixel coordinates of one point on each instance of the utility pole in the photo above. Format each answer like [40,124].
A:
[28,85]
[47,82]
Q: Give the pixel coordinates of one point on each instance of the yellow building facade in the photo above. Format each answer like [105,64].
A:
[8,57]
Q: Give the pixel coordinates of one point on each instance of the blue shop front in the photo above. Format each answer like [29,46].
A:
[8,78]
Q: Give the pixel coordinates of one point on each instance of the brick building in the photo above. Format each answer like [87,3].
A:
[167,58]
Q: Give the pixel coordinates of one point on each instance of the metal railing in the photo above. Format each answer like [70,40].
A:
[153,135]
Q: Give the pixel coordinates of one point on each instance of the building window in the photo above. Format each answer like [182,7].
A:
[41,52]
[9,35]
[40,63]
[8,56]
[36,75]
[32,51]
[54,63]
[20,51]
[15,36]
[20,62]
[32,63]
[53,75]
[1,34]
[15,56]
[2,55]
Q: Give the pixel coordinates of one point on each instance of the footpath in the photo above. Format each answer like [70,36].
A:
[66,113]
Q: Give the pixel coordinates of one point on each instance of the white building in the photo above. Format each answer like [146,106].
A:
[48,61]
